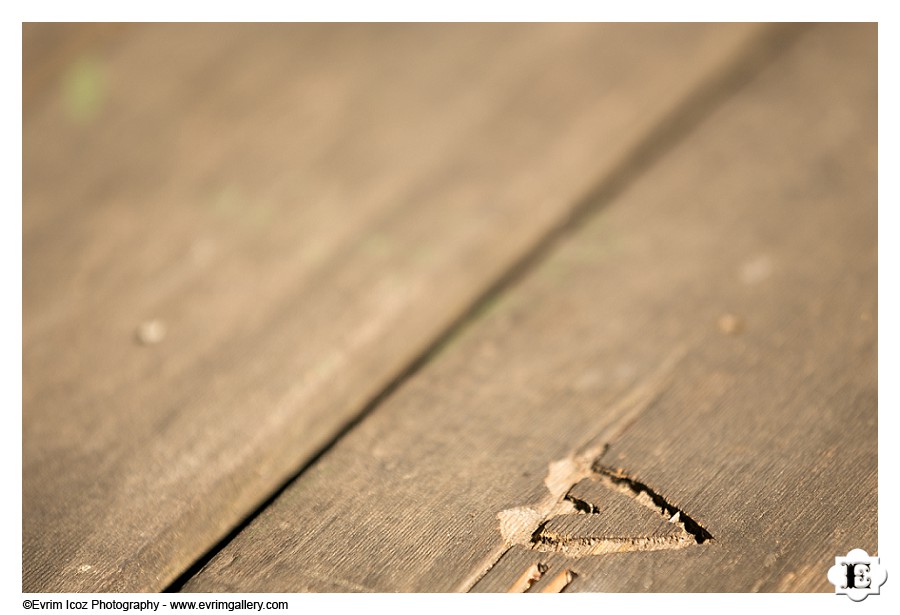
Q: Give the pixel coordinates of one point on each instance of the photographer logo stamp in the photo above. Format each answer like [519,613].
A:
[857,575]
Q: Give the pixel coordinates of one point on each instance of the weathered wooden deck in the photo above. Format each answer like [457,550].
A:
[448,307]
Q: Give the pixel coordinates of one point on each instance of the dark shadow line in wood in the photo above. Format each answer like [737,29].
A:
[667,133]
[618,477]
[581,506]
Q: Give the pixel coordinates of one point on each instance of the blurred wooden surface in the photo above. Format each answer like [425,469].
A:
[304,209]
[682,397]
[238,239]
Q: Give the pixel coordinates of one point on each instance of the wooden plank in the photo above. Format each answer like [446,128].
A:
[705,345]
[235,236]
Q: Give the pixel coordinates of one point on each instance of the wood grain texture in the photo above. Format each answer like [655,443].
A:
[708,340]
[235,236]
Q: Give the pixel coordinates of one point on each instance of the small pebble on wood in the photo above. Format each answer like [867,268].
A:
[151,332]
[729,324]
